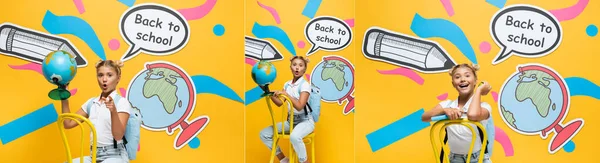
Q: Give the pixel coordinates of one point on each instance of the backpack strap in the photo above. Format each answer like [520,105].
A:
[286,86]
[88,107]
[309,108]
[299,93]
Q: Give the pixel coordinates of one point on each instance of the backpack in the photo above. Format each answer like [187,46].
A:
[132,130]
[314,101]
[491,134]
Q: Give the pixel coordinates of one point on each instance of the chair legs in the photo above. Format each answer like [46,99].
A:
[313,150]
[273,150]
[293,158]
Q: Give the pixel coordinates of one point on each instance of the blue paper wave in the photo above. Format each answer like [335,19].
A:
[207,84]
[75,26]
[253,95]
[497,3]
[582,87]
[274,32]
[311,7]
[427,28]
[128,3]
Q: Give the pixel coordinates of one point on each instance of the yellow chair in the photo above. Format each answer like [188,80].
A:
[277,135]
[464,122]
[77,118]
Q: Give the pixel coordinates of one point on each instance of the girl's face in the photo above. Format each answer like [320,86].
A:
[464,80]
[298,67]
[107,78]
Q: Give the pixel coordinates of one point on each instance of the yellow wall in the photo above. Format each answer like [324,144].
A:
[382,104]
[334,131]
[232,134]
[205,54]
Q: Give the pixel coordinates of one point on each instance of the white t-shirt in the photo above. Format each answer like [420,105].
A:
[459,136]
[101,118]
[292,90]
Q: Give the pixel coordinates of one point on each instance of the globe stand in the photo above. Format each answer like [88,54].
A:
[60,93]
[266,90]
[189,130]
[563,133]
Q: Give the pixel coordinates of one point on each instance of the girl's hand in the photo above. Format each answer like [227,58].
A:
[277,93]
[453,113]
[484,88]
[109,104]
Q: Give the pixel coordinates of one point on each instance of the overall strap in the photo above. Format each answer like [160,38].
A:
[445,141]
[115,142]
[481,139]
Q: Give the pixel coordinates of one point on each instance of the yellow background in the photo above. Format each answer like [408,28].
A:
[383,104]
[334,131]
[205,54]
[224,137]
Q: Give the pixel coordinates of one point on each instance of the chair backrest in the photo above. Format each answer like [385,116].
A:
[286,103]
[445,123]
[314,101]
[77,118]
[287,113]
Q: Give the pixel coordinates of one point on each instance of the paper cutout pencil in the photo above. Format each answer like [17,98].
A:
[402,50]
[32,45]
[261,49]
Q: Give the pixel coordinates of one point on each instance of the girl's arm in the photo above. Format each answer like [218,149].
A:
[118,117]
[476,112]
[437,110]
[70,123]
[299,104]
[118,123]
[276,100]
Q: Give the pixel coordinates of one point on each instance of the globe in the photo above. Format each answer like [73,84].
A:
[166,96]
[59,67]
[531,101]
[264,73]
[162,95]
[334,76]
[534,100]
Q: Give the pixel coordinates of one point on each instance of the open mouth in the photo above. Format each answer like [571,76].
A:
[464,85]
[104,85]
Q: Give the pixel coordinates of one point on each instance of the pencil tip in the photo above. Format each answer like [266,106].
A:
[278,56]
[80,61]
[449,64]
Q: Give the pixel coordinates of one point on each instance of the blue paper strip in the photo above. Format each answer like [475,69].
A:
[27,124]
